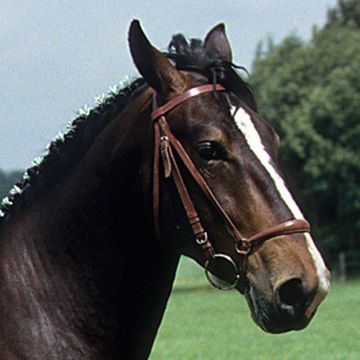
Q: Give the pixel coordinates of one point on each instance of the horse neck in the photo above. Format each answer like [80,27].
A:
[81,266]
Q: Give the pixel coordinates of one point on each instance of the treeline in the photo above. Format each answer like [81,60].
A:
[310,92]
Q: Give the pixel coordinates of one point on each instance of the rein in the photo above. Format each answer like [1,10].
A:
[165,145]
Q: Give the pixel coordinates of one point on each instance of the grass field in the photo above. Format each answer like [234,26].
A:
[201,323]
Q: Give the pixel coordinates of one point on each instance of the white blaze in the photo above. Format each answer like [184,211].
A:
[252,137]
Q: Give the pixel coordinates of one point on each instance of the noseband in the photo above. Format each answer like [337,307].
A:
[165,145]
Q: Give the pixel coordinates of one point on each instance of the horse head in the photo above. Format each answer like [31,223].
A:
[212,144]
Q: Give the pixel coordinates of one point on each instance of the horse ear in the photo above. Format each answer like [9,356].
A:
[217,42]
[152,64]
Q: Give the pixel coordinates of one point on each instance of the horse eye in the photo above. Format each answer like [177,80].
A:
[208,150]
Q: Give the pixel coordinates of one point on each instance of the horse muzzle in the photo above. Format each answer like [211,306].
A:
[291,306]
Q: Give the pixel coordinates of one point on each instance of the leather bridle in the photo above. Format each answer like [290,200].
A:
[165,145]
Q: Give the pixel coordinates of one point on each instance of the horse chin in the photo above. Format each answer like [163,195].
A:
[268,318]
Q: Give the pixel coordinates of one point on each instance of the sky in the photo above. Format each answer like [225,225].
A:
[57,55]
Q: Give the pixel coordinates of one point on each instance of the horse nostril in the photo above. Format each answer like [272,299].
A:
[291,295]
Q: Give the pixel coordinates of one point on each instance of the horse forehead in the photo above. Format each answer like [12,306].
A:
[209,102]
[204,112]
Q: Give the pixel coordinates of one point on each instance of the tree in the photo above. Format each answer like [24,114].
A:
[348,11]
[310,92]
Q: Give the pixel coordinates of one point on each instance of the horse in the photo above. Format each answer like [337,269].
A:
[176,162]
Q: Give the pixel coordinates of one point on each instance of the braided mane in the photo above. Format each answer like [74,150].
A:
[68,147]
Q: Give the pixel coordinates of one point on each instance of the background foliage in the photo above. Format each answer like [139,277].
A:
[310,92]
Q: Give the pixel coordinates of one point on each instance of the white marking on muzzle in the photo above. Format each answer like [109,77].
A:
[252,137]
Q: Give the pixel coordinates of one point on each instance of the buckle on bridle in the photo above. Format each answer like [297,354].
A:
[202,240]
[243,247]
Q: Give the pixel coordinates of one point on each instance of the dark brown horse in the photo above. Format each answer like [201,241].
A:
[91,237]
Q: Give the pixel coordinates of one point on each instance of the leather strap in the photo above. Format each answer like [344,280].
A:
[160,111]
[179,99]
[156,180]
[286,228]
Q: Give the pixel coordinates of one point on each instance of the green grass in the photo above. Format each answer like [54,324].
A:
[201,323]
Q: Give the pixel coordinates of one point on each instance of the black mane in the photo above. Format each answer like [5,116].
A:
[193,56]
[67,148]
